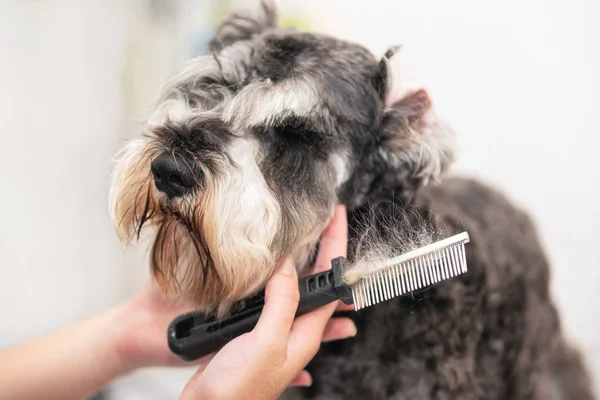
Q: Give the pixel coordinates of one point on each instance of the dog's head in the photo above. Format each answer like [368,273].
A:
[249,148]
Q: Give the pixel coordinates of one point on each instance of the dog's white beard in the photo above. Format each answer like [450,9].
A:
[241,220]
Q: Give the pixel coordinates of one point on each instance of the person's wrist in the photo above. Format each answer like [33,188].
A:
[120,344]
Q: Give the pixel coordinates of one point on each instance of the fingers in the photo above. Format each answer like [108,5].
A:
[302,379]
[282,291]
[281,302]
[334,243]
[344,307]
[190,390]
[334,240]
[338,329]
[308,330]
[335,329]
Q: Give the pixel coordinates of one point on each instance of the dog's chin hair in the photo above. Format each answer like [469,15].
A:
[400,230]
[182,266]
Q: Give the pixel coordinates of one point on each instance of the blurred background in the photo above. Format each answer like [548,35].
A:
[517,80]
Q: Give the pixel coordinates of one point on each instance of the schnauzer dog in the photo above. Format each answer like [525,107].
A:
[246,152]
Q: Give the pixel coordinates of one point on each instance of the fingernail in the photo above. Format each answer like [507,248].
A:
[354,331]
[288,267]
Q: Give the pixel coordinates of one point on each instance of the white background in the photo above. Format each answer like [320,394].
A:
[517,80]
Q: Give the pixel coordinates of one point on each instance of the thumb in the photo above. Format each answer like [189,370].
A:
[334,240]
[281,302]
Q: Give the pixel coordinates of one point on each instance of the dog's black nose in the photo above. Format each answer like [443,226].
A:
[172,174]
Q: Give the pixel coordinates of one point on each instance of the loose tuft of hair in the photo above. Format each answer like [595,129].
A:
[385,236]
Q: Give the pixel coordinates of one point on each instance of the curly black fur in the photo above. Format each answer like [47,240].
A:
[493,333]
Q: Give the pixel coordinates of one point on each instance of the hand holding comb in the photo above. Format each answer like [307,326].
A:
[192,336]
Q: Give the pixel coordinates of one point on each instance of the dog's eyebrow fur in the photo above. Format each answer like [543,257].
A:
[266,102]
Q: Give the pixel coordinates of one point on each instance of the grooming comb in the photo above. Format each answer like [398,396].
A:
[192,336]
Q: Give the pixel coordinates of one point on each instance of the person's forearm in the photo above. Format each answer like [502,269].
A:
[73,363]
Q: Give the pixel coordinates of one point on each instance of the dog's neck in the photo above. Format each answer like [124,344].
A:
[372,181]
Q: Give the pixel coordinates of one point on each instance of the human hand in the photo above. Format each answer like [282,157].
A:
[144,319]
[262,363]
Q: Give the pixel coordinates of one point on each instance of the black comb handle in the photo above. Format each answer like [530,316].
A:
[192,336]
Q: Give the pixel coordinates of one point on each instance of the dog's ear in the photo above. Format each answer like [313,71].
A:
[412,140]
[244,24]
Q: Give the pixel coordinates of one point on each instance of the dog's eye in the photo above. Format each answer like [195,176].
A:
[299,138]
[296,133]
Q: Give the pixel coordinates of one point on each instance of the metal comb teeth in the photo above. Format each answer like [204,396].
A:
[412,271]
